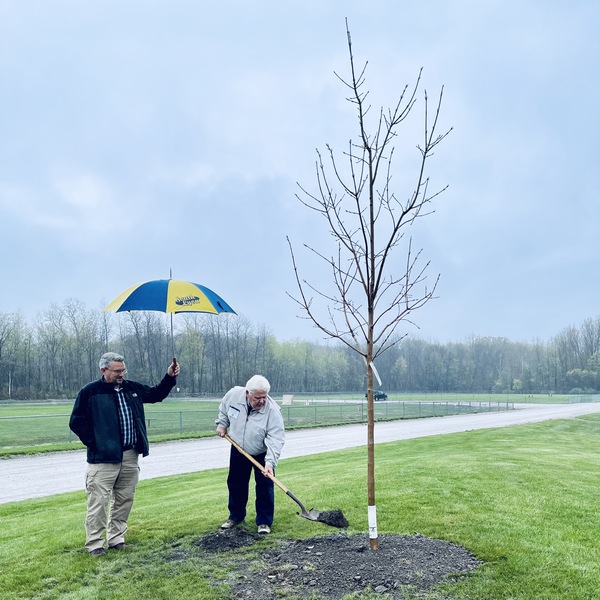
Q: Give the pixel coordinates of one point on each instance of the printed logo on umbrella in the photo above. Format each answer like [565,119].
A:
[187,301]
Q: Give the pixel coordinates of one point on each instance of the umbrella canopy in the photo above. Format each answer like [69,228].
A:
[170,296]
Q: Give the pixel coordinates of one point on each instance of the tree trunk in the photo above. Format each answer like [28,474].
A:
[372,509]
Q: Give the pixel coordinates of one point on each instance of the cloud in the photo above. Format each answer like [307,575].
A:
[173,137]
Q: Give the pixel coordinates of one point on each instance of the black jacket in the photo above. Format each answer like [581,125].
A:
[95,416]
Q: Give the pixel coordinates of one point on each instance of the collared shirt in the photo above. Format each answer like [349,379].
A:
[128,437]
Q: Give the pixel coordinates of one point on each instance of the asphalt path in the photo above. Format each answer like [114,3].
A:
[26,477]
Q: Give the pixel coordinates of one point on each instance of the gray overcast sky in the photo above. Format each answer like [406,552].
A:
[142,136]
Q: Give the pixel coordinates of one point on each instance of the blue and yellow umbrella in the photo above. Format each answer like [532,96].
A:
[170,296]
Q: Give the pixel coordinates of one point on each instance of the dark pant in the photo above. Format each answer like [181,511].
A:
[238,482]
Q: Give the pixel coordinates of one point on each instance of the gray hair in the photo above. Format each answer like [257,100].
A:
[109,357]
[258,383]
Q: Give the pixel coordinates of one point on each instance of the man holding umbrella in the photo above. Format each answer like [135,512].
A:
[108,417]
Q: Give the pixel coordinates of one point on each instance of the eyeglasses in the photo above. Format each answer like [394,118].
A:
[117,371]
[258,397]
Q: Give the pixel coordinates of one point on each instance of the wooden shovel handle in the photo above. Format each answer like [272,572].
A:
[256,463]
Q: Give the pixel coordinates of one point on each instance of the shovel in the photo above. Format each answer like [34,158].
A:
[312,515]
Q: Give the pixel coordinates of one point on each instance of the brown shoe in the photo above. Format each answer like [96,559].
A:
[230,524]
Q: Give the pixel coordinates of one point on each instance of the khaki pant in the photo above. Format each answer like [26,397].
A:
[112,484]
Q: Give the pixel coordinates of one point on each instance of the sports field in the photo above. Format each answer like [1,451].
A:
[44,426]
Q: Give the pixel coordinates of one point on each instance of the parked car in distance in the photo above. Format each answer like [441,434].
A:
[378,395]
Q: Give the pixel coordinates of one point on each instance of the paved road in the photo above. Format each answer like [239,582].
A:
[27,477]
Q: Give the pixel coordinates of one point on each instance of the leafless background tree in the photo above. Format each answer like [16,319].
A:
[371,294]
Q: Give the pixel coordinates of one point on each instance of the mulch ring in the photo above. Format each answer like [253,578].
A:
[332,566]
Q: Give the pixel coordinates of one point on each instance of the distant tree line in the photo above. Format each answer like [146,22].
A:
[58,353]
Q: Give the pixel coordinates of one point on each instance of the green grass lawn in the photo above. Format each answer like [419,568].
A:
[523,499]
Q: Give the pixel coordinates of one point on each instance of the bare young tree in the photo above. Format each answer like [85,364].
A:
[372,291]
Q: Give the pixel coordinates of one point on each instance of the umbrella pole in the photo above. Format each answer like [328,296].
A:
[172,338]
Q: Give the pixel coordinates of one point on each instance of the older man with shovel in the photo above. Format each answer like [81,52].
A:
[252,419]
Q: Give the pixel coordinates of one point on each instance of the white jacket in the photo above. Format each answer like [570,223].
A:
[260,431]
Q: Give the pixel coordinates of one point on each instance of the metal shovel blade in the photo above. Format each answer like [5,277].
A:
[312,514]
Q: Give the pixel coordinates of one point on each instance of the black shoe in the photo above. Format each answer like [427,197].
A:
[119,546]
[98,552]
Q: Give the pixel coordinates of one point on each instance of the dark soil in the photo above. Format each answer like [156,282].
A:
[332,566]
[335,518]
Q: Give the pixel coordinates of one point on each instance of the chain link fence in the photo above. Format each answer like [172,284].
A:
[34,430]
